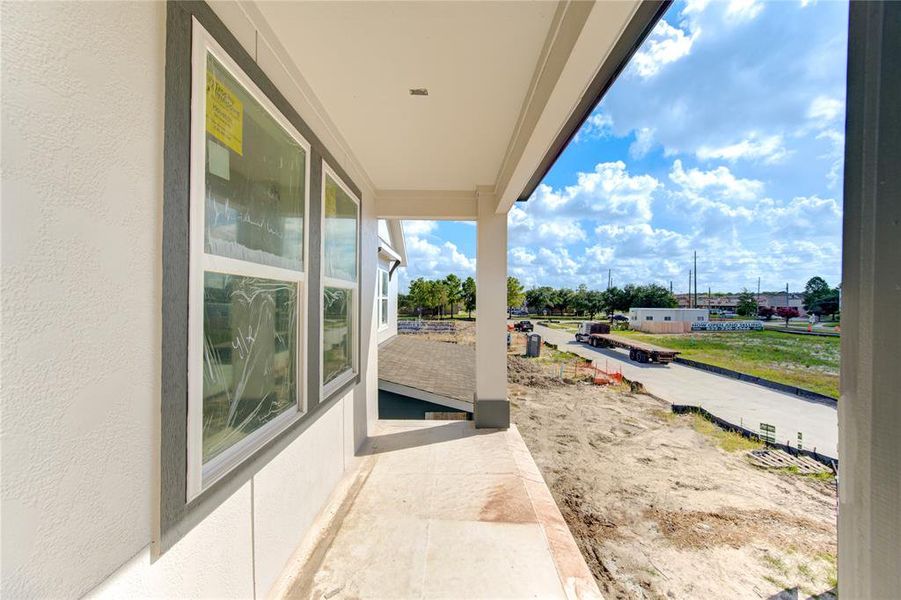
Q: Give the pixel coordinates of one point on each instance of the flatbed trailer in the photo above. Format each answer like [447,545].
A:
[638,351]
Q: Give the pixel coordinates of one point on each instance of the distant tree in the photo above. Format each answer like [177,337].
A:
[439,296]
[595,303]
[650,296]
[539,299]
[469,295]
[564,300]
[418,296]
[616,300]
[580,301]
[766,312]
[515,294]
[747,304]
[454,292]
[404,306]
[815,289]
[787,312]
[827,304]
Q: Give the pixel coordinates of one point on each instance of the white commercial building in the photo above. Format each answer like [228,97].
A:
[666,320]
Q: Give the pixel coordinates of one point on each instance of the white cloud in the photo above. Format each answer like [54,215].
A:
[836,154]
[644,141]
[769,150]
[562,232]
[521,256]
[552,217]
[433,261]
[738,11]
[825,110]
[419,227]
[611,191]
[665,45]
[643,240]
[597,125]
[718,182]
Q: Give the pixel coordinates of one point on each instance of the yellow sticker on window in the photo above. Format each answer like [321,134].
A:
[224,114]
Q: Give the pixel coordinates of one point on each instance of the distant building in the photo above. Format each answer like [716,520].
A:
[666,320]
[729,302]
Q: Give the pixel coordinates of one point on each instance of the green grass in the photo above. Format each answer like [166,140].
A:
[727,440]
[808,362]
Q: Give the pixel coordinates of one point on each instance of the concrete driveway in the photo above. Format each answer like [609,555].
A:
[736,401]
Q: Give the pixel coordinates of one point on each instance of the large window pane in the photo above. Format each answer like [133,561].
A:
[249,358]
[340,236]
[255,178]
[337,333]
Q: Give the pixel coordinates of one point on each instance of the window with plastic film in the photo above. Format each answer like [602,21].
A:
[249,197]
[340,284]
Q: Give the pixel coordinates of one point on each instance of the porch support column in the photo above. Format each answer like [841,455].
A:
[491,406]
[869,411]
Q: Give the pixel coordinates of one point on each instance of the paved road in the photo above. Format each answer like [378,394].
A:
[736,401]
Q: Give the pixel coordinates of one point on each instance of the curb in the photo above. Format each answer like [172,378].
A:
[788,389]
[802,332]
[680,409]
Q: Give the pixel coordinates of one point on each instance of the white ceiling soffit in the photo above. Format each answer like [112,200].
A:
[362,58]
[502,79]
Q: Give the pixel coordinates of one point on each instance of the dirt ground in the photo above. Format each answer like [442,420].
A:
[659,508]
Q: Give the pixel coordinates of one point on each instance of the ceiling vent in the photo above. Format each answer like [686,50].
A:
[419,92]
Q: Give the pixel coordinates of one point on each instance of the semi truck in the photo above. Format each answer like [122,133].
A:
[598,335]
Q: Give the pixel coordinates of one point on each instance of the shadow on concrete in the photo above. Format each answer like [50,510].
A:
[412,438]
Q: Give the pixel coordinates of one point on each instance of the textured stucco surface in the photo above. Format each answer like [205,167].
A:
[82,146]
[81,119]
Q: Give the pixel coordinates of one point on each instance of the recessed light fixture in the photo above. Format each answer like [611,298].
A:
[419,92]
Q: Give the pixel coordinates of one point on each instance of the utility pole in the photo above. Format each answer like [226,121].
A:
[671,287]
[708,298]
[696,279]
[689,289]
[609,277]
[786,296]
[758,292]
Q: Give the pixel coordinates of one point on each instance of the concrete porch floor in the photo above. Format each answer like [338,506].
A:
[439,509]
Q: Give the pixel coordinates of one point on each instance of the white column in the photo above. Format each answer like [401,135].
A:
[869,411]
[491,406]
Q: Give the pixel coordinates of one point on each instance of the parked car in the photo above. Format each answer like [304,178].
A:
[523,326]
[620,318]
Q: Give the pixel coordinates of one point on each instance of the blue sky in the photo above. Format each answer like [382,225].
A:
[724,135]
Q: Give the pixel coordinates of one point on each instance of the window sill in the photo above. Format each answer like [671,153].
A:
[337,384]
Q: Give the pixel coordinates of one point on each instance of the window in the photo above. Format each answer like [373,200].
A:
[383,299]
[700,318]
[667,318]
[340,273]
[649,318]
[246,319]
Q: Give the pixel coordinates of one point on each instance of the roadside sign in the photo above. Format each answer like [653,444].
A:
[768,433]
[800,441]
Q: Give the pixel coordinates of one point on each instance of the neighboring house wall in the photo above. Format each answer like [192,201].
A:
[388,331]
[391,249]
[82,119]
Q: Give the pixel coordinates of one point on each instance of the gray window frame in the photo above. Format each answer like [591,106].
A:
[177,516]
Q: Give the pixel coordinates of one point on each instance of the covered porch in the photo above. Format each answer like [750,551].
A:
[428,110]
[441,510]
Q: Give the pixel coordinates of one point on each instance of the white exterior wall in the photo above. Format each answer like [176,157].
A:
[82,148]
[638,316]
[391,330]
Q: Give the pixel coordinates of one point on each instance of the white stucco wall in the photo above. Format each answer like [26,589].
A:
[390,329]
[82,148]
